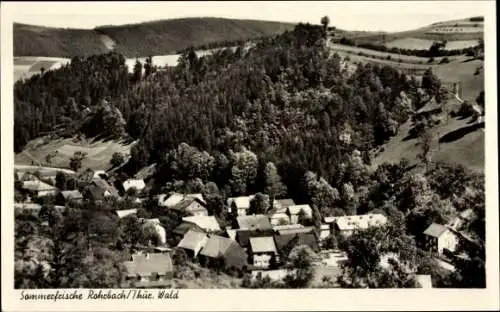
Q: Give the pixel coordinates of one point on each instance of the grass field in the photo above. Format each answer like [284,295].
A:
[467,150]
[460,44]
[98,153]
[410,43]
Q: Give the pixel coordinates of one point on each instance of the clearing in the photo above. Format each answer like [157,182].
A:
[99,153]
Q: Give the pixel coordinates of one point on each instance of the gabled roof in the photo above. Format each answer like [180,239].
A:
[288,227]
[305,229]
[435,230]
[37,186]
[288,241]
[134,183]
[125,212]
[186,202]
[241,202]
[105,186]
[68,195]
[295,210]
[208,223]
[243,236]
[216,246]
[253,222]
[176,198]
[262,244]
[145,265]
[279,215]
[184,227]
[193,241]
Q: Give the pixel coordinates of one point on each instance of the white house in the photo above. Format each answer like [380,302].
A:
[438,237]
[346,225]
[139,185]
[239,205]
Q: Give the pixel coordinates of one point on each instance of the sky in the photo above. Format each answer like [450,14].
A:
[349,15]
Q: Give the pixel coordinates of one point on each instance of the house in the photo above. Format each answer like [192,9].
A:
[242,237]
[101,189]
[277,228]
[438,237]
[286,243]
[208,223]
[193,242]
[185,227]
[278,215]
[253,222]
[239,205]
[148,270]
[281,205]
[125,212]
[191,206]
[223,252]
[38,188]
[176,198]
[294,211]
[263,252]
[136,184]
[156,226]
[425,281]
[69,196]
[346,225]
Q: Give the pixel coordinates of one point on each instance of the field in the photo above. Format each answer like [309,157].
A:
[25,67]
[466,149]
[410,43]
[460,44]
[98,153]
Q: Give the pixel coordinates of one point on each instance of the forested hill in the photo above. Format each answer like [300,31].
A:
[286,100]
[151,38]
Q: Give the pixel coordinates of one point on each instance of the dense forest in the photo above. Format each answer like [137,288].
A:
[139,40]
[284,118]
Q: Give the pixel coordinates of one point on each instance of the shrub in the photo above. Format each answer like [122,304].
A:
[431,60]
[445,60]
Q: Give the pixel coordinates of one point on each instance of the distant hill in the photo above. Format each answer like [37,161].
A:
[150,38]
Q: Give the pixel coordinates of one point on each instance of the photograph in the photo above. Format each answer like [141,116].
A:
[249,145]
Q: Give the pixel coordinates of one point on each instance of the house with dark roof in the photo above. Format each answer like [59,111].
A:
[148,270]
[437,238]
[191,206]
[263,252]
[193,242]
[185,227]
[243,236]
[223,253]
[253,222]
[208,223]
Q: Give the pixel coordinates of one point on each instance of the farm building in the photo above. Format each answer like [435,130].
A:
[239,205]
[148,270]
[222,252]
[69,196]
[438,237]
[193,242]
[263,252]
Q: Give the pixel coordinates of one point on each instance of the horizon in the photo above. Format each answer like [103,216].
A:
[392,16]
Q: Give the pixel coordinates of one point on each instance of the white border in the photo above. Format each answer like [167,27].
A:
[266,300]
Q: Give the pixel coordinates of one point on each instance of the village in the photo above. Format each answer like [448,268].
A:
[251,243]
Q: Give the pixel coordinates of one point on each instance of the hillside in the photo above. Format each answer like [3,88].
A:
[151,38]
[459,34]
